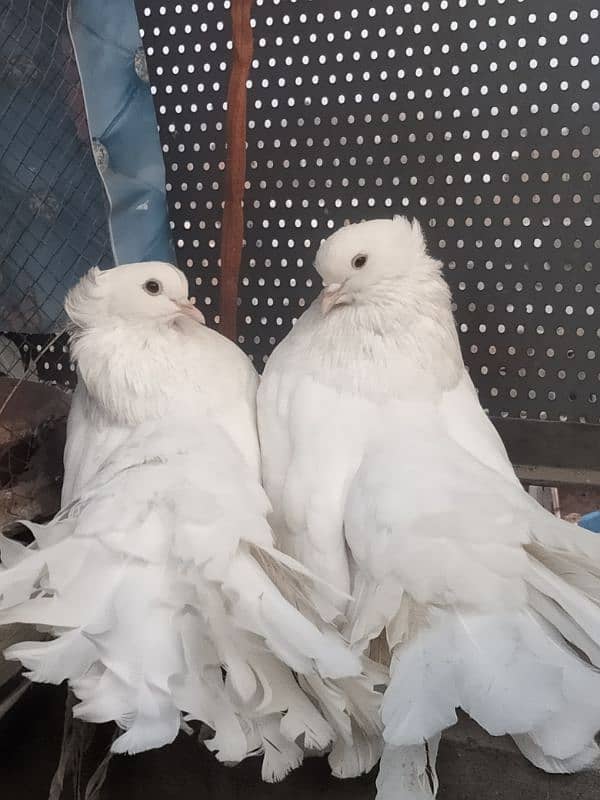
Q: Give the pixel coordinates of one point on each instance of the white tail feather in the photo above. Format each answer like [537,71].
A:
[153,586]
[408,772]
[586,758]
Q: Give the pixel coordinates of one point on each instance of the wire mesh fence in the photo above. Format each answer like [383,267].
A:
[52,209]
[53,227]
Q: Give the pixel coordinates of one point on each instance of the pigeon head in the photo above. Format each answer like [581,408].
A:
[358,261]
[151,291]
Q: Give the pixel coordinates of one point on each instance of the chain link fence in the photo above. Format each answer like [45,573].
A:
[53,227]
[53,220]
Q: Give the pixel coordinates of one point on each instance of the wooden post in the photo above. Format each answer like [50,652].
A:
[232,228]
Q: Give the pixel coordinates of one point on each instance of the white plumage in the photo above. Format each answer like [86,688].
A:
[388,480]
[158,578]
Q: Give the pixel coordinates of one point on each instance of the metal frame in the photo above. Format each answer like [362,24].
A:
[552,453]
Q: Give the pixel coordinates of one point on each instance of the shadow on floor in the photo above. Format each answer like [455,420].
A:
[471,766]
[30,739]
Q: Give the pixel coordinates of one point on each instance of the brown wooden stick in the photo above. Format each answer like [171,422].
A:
[232,229]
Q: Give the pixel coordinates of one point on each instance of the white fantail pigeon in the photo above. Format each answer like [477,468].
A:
[158,578]
[388,480]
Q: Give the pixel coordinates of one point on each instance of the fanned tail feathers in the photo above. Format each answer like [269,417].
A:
[530,673]
[162,551]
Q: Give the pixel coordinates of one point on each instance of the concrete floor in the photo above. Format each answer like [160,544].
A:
[471,766]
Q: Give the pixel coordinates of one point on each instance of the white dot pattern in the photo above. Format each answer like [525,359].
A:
[479,117]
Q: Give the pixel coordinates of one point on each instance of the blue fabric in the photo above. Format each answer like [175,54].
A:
[591,521]
[122,124]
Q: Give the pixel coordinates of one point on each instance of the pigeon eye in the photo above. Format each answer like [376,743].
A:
[359,261]
[152,287]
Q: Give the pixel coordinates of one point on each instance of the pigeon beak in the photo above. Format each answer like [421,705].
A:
[189,309]
[331,296]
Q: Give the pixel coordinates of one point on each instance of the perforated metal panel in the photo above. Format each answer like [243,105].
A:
[479,117]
